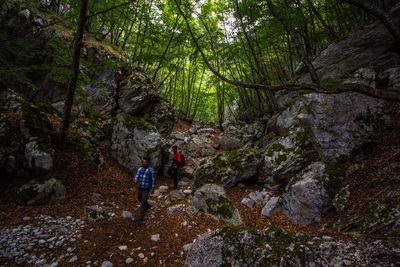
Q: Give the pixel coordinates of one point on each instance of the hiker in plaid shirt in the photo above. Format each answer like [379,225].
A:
[146,177]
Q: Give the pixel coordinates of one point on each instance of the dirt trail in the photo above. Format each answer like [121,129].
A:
[100,239]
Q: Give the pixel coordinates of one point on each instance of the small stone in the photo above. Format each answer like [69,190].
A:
[175,209]
[26,219]
[107,264]
[257,197]
[247,202]
[155,238]
[272,207]
[163,189]
[145,260]
[127,214]
[176,195]
[129,260]
[41,242]
[141,255]
[187,191]
[327,238]
[73,259]
[40,262]
[124,247]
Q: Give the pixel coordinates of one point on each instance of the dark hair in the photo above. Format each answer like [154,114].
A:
[146,158]
[174,146]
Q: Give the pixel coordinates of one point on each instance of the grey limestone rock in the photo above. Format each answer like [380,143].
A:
[272,207]
[310,194]
[228,169]
[211,198]
[132,139]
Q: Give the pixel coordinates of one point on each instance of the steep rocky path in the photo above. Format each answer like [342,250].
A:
[105,239]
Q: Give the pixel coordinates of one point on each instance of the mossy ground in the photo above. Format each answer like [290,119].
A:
[374,217]
[246,245]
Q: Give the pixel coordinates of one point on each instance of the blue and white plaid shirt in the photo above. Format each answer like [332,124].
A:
[146,177]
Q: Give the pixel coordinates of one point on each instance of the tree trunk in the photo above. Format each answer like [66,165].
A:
[75,72]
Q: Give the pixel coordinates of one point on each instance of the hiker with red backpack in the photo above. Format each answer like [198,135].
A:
[178,161]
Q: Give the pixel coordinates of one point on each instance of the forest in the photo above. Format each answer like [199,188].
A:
[252,42]
[199,133]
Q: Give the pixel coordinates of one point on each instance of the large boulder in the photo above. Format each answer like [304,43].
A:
[39,158]
[102,90]
[136,95]
[228,143]
[132,139]
[25,135]
[372,46]
[235,137]
[211,198]
[200,146]
[274,246]
[339,124]
[286,155]
[45,190]
[162,116]
[228,168]
[310,194]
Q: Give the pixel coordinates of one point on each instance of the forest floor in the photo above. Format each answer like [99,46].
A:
[101,238]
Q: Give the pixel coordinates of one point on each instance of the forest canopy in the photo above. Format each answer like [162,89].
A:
[250,41]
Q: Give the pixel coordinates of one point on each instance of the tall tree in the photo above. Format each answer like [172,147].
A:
[75,71]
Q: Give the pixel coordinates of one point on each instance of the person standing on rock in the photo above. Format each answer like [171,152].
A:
[146,177]
[178,161]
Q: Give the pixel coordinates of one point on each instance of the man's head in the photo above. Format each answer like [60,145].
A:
[174,148]
[145,161]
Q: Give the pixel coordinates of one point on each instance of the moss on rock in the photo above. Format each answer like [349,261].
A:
[261,247]
[333,177]
[136,122]
[341,199]
[221,207]
[227,168]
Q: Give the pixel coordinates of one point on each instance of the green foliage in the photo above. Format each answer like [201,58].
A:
[241,39]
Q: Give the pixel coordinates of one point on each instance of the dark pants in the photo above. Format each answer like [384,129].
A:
[174,175]
[143,195]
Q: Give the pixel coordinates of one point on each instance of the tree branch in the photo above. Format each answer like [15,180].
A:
[388,95]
